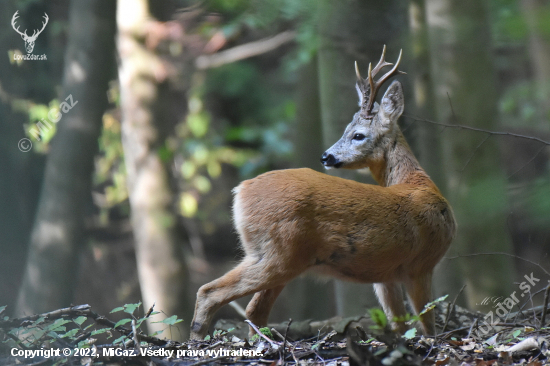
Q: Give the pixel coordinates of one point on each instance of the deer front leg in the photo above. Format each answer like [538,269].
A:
[259,307]
[419,290]
[248,277]
[390,296]
[213,296]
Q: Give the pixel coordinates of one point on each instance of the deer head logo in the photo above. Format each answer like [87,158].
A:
[29,41]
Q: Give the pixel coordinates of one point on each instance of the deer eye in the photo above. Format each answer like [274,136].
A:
[358,137]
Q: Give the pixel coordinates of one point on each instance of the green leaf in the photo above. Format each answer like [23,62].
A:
[116,310]
[58,325]
[54,334]
[119,339]
[84,344]
[100,331]
[207,338]
[410,334]
[378,316]
[367,341]
[71,333]
[429,306]
[38,321]
[516,333]
[171,320]
[155,334]
[122,322]
[130,308]
[267,332]
[80,320]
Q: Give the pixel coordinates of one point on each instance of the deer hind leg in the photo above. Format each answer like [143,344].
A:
[419,290]
[251,275]
[390,296]
[259,307]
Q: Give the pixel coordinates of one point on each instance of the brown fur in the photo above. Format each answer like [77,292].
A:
[298,220]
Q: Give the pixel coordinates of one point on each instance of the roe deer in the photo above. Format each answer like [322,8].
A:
[292,221]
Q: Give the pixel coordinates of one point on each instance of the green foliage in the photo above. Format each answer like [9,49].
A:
[265,331]
[43,332]
[172,320]
[508,23]
[410,334]
[110,171]
[431,305]
[379,318]
[519,105]
[42,125]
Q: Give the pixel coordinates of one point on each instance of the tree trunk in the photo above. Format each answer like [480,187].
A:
[308,298]
[58,230]
[463,74]
[146,97]
[352,30]
[539,50]
[427,142]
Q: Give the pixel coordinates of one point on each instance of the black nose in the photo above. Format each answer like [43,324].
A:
[328,159]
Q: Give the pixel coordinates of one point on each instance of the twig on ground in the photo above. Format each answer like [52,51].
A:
[276,332]
[273,343]
[474,324]
[545,306]
[450,309]
[134,334]
[284,340]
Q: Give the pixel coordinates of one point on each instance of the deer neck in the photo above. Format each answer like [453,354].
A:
[398,165]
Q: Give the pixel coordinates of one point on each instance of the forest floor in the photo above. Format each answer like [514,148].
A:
[72,336]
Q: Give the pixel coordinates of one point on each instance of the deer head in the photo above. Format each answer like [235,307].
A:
[29,40]
[365,137]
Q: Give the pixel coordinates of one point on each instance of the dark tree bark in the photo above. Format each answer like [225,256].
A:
[463,74]
[535,12]
[308,298]
[147,99]
[352,30]
[58,230]
[428,137]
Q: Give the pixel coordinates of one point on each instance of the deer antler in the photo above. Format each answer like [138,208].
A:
[374,86]
[15,16]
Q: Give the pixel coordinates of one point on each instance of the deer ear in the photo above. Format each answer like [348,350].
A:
[393,102]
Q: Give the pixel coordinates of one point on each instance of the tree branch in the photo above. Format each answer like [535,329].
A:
[244,51]
[499,133]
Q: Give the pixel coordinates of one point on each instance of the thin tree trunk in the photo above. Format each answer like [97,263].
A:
[352,30]
[539,49]
[308,298]
[145,100]
[428,137]
[58,230]
[463,74]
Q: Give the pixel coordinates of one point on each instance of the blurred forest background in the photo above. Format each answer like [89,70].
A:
[128,196]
